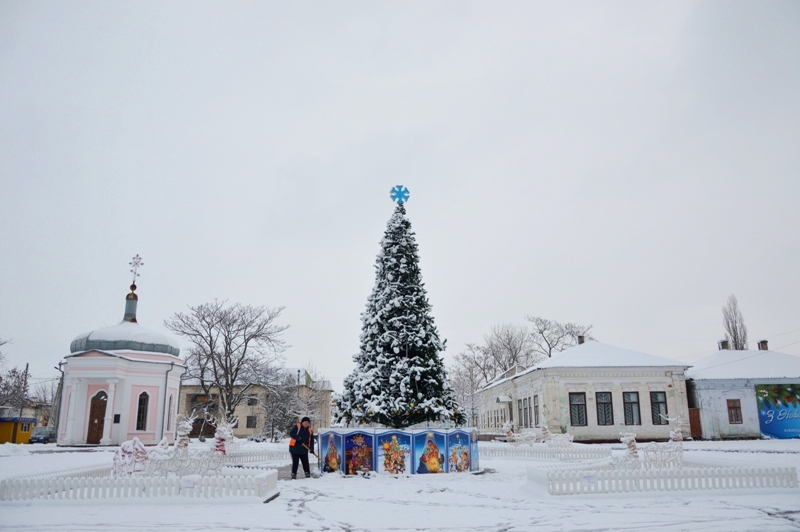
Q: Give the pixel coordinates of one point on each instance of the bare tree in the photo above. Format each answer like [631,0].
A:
[509,346]
[14,388]
[504,347]
[311,398]
[2,356]
[230,344]
[735,330]
[475,361]
[550,336]
[466,379]
[44,396]
[277,407]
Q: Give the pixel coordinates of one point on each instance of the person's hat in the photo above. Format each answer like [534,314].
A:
[306,419]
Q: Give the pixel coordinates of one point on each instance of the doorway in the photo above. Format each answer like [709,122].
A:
[97,414]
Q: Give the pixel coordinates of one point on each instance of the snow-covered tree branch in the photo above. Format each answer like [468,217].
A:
[230,344]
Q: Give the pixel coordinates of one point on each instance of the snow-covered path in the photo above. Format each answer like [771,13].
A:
[501,500]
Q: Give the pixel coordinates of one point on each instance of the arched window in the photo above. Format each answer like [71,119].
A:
[141,413]
[169,414]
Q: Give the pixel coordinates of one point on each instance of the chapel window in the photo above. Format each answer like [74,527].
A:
[141,413]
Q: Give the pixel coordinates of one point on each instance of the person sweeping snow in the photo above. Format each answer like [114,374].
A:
[300,443]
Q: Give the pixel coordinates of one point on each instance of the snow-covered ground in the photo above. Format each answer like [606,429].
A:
[499,500]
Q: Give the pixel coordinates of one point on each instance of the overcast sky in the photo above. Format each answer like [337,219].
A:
[626,165]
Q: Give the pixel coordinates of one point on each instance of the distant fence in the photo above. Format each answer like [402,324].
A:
[263,485]
[543,452]
[621,481]
[73,472]
[257,455]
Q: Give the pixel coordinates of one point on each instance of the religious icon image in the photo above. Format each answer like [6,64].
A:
[458,452]
[394,453]
[428,449]
[331,447]
[358,453]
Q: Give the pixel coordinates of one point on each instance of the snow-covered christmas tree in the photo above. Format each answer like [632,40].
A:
[399,379]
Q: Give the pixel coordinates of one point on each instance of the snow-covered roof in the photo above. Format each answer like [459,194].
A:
[598,355]
[125,335]
[595,355]
[125,355]
[747,364]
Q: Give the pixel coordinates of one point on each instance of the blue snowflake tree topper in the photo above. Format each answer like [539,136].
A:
[399,194]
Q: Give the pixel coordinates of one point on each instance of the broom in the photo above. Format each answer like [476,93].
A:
[315,469]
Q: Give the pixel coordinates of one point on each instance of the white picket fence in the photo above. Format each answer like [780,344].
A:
[263,485]
[620,481]
[96,471]
[250,456]
[543,452]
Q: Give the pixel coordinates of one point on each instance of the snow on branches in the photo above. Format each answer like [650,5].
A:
[399,379]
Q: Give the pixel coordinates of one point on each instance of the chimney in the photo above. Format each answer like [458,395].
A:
[723,344]
[762,345]
[580,339]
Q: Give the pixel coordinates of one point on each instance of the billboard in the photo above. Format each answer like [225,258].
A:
[778,411]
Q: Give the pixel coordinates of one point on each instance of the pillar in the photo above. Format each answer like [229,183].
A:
[73,398]
[108,421]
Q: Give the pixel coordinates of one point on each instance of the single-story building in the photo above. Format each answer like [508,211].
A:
[746,394]
[15,428]
[593,391]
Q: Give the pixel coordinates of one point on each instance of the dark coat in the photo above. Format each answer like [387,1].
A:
[301,435]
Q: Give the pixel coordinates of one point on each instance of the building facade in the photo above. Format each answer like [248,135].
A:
[593,391]
[746,394]
[306,397]
[120,382]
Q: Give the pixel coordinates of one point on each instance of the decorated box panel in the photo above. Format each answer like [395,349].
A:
[398,452]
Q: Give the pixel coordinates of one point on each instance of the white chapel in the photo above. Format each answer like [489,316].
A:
[120,382]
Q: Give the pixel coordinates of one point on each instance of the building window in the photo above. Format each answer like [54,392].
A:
[535,410]
[605,412]
[519,408]
[526,420]
[530,413]
[251,422]
[26,427]
[141,413]
[577,409]
[658,406]
[252,401]
[734,411]
[631,402]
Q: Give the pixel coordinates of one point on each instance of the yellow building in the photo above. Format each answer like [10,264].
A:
[15,429]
